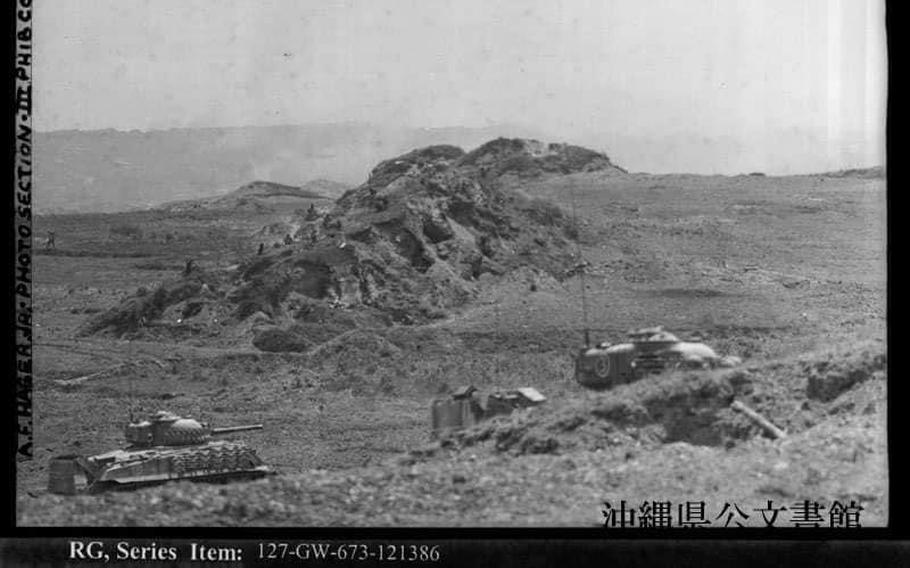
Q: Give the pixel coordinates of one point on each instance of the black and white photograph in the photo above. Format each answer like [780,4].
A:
[419,263]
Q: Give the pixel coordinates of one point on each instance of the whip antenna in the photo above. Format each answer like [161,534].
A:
[581,267]
[132,398]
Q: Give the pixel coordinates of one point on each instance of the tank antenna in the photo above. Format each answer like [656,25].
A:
[583,266]
[129,352]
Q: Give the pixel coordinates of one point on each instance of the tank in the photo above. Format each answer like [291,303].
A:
[647,351]
[467,407]
[164,447]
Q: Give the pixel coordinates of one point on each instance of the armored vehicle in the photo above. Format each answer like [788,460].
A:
[162,448]
[648,350]
[467,407]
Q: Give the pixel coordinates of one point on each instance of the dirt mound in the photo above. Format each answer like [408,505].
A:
[801,391]
[314,325]
[355,347]
[352,360]
[145,306]
[677,407]
[277,340]
[831,377]
[695,407]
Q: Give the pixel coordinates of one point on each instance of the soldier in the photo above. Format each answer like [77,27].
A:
[190,265]
[288,240]
[261,249]
[49,243]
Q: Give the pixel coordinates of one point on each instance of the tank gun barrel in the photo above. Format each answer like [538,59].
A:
[231,429]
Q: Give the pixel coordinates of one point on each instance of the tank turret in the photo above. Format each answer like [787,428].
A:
[167,429]
[164,447]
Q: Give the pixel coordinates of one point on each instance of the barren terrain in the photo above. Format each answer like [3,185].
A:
[786,272]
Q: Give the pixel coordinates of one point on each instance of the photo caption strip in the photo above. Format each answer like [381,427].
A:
[23,228]
[438,552]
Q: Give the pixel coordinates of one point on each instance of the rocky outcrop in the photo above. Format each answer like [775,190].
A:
[411,242]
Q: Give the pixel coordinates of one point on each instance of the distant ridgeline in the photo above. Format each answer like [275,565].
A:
[104,171]
[261,195]
[863,173]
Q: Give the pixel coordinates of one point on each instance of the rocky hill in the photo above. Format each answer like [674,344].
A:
[111,170]
[407,246]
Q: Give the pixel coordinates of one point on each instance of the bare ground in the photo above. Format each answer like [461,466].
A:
[785,272]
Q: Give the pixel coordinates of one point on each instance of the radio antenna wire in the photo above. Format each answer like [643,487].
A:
[581,266]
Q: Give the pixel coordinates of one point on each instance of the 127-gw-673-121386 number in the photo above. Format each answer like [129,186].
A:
[336,551]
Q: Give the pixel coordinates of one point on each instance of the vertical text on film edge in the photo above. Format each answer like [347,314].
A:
[23,228]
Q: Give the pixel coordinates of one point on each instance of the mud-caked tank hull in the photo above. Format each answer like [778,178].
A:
[124,469]
[164,448]
[210,461]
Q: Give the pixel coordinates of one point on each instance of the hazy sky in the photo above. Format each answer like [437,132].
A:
[744,75]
